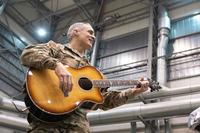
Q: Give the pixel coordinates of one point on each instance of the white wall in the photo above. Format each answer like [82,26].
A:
[125,29]
[144,23]
[187,10]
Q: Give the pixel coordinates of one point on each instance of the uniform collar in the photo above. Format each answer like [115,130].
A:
[74,50]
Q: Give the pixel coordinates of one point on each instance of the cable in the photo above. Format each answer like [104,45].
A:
[12,100]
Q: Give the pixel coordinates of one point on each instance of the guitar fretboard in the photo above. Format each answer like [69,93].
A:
[109,83]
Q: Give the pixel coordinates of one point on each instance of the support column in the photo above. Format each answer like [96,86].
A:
[99,30]
[153,125]
[167,126]
[133,127]
[96,47]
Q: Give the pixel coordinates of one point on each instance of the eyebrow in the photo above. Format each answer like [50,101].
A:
[91,31]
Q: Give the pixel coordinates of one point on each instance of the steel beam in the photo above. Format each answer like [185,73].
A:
[12,70]
[84,10]
[12,84]
[8,89]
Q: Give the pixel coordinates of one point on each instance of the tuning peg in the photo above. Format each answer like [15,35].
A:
[154,85]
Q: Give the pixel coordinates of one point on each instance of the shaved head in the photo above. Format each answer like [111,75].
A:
[79,25]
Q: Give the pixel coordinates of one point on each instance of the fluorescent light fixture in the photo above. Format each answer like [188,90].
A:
[41,32]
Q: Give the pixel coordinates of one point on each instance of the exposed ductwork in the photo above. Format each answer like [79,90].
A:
[167,92]
[8,104]
[125,127]
[13,122]
[11,105]
[146,111]
[164,29]
[22,124]
[123,114]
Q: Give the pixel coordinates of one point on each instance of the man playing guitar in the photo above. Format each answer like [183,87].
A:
[57,57]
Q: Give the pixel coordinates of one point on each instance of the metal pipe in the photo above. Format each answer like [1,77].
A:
[12,105]
[7,104]
[164,28]
[147,111]
[125,127]
[121,115]
[14,122]
[167,92]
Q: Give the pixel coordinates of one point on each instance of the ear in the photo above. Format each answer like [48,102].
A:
[75,32]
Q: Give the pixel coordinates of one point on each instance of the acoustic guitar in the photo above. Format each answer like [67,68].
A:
[46,100]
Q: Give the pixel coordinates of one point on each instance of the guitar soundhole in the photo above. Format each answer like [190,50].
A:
[85,83]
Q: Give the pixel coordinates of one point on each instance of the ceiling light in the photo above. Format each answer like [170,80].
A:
[41,32]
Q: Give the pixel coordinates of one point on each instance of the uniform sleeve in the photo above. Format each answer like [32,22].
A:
[41,55]
[114,99]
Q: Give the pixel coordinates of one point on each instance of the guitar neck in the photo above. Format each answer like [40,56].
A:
[110,83]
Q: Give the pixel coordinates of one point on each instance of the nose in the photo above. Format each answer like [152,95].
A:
[93,38]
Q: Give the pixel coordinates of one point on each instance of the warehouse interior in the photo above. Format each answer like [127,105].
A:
[157,39]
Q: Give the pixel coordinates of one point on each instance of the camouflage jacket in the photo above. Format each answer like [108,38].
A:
[47,55]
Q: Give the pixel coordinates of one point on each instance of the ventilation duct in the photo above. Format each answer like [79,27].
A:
[164,29]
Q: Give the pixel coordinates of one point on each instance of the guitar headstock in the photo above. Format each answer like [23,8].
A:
[154,85]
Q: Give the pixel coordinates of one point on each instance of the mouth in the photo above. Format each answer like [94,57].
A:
[91,41]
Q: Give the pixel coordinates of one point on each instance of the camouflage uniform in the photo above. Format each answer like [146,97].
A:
[46,56]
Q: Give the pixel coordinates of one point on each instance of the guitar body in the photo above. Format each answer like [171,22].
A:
[46,100]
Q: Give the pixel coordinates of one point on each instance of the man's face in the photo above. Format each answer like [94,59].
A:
[86,36]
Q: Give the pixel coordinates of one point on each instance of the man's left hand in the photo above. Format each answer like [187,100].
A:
[141,87]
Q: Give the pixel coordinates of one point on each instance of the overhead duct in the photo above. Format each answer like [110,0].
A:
[145,111]
[164,29]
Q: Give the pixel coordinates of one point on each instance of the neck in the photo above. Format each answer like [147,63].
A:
[108,83]
[77,46]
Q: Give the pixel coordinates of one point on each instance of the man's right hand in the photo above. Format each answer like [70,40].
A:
[65,78]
